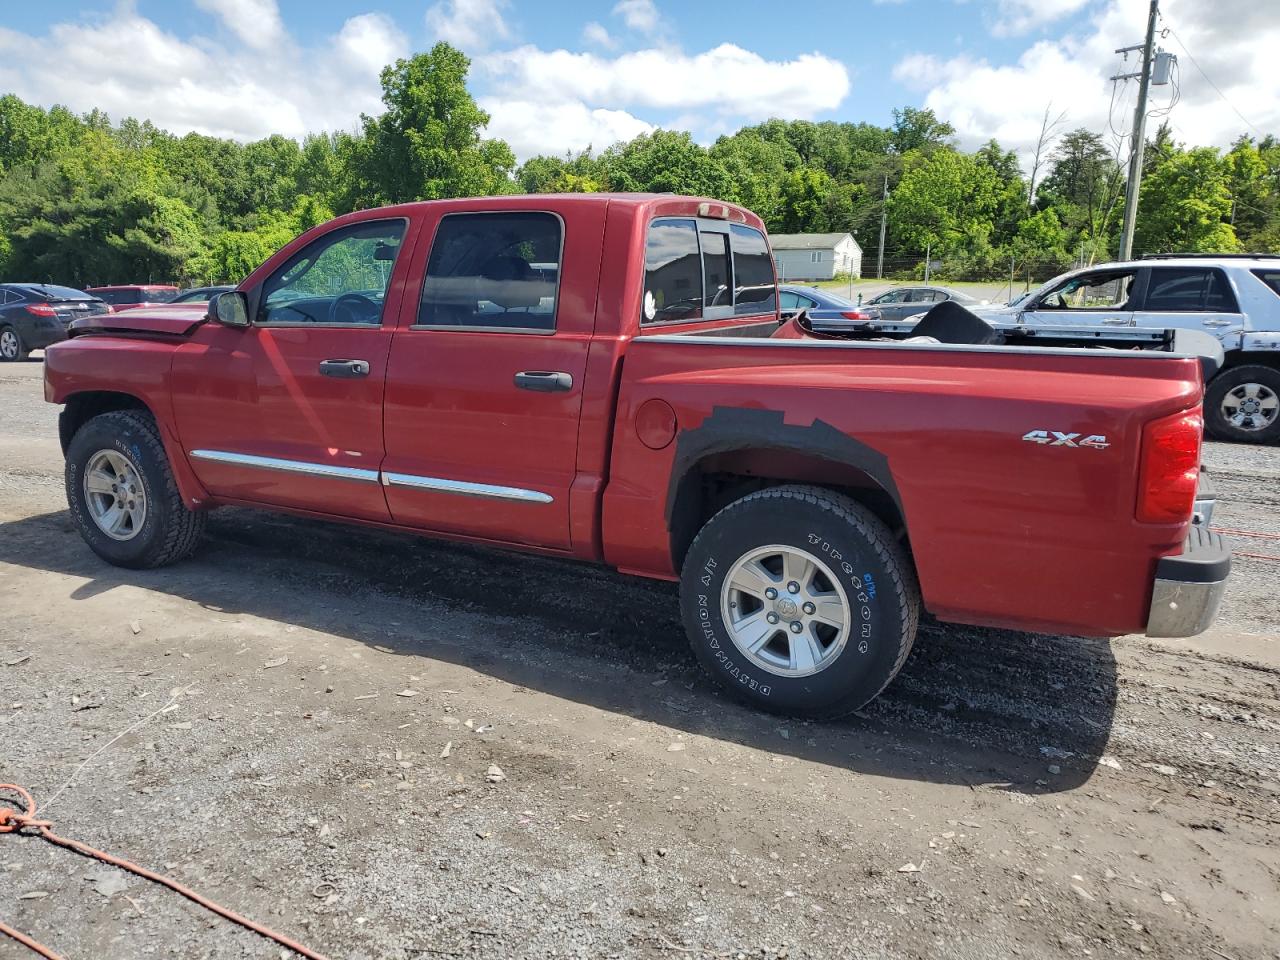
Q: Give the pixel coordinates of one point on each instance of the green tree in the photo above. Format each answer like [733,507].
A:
[945,200]
[428,143]
[1185,205]
[666,161]
[915,129]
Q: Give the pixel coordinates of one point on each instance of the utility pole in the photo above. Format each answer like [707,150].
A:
[1139,136]
[884,219]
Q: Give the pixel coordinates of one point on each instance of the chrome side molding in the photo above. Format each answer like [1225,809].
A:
[441,485]
[437,484]
[288,466]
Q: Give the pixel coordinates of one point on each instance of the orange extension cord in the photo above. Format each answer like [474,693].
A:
[15,821]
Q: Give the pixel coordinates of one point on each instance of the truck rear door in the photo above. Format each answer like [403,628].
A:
[485,378]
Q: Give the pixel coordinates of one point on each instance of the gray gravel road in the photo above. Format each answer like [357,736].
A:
[341,698]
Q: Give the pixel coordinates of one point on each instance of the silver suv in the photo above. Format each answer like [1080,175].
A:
[1235,297]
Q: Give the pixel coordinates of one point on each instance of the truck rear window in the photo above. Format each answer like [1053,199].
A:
[672,272]
[690,272]
[754,285]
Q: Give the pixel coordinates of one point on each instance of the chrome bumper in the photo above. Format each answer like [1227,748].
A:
[1189,586]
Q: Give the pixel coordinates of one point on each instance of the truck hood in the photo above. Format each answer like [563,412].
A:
[177,320]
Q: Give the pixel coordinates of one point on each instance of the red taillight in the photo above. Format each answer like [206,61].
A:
[40,310]
[1170,468]
[855,315]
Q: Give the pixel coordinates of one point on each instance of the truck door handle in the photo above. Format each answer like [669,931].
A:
[1216,323]
[1117,322]
[344,369]
[544,381]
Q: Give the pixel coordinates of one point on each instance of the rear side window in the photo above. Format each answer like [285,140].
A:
[672,272]
[493,271]
[1189,288]
[754,284]
[1271,278]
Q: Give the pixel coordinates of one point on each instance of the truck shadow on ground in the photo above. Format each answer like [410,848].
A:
[971,706]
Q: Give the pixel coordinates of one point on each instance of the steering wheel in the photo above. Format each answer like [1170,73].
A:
[354,298]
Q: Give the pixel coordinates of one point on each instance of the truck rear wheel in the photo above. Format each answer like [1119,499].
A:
[122,494]
[1243,403]
[800,601]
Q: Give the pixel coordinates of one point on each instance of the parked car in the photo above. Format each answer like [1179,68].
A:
[648,409]
[820,304]
[34,315]
[1235,297]
[200,294]
[903,302]
[131,296]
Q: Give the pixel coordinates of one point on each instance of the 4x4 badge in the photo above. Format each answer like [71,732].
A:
[1052,438]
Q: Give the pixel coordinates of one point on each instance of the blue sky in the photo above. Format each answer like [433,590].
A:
[557,76]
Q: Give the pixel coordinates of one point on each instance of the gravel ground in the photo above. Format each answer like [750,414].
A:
[342,698]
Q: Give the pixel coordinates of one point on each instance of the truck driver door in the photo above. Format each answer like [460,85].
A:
[288,411]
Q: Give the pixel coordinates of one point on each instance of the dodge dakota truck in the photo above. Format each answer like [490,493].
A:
[608,378]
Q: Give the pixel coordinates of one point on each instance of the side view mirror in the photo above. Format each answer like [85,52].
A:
[231,309]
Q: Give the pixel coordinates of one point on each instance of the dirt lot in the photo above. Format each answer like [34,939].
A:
[1055,797]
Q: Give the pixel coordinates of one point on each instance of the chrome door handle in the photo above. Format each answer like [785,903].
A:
[1216,323]
[344,369]
[544,381]
[1117,322]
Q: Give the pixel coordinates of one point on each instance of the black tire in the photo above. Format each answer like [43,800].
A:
[876,575]
[169,532]
[1219,425]
[9,337]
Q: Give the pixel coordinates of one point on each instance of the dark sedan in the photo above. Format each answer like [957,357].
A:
[821,304]
[200,294]
[34,315]
[903,302]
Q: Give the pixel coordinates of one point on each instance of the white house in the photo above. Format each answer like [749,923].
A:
[815,256]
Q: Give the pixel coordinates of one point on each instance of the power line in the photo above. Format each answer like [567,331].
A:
[1200,69]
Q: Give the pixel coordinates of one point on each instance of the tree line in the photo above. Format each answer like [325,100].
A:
[84,201]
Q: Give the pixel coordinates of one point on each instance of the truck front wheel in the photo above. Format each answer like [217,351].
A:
[1243,403]
[800,601]
[122,494]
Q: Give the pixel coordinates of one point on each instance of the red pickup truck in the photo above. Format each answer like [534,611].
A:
[608,378]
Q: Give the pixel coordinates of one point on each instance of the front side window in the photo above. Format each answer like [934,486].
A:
[1194,288]
[893,296]
[493,271]
[340,278]
[754,284]
[1094,291]
[672,272]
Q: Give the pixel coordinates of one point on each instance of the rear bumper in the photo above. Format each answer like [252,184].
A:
[1189,586]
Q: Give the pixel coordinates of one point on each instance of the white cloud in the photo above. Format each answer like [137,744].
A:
[532,128]
[1013,17]
[727,79]
[469,24]
[256,22]
[596,35]
[1233,40]
[639,15]
[127,65]
[370,42]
